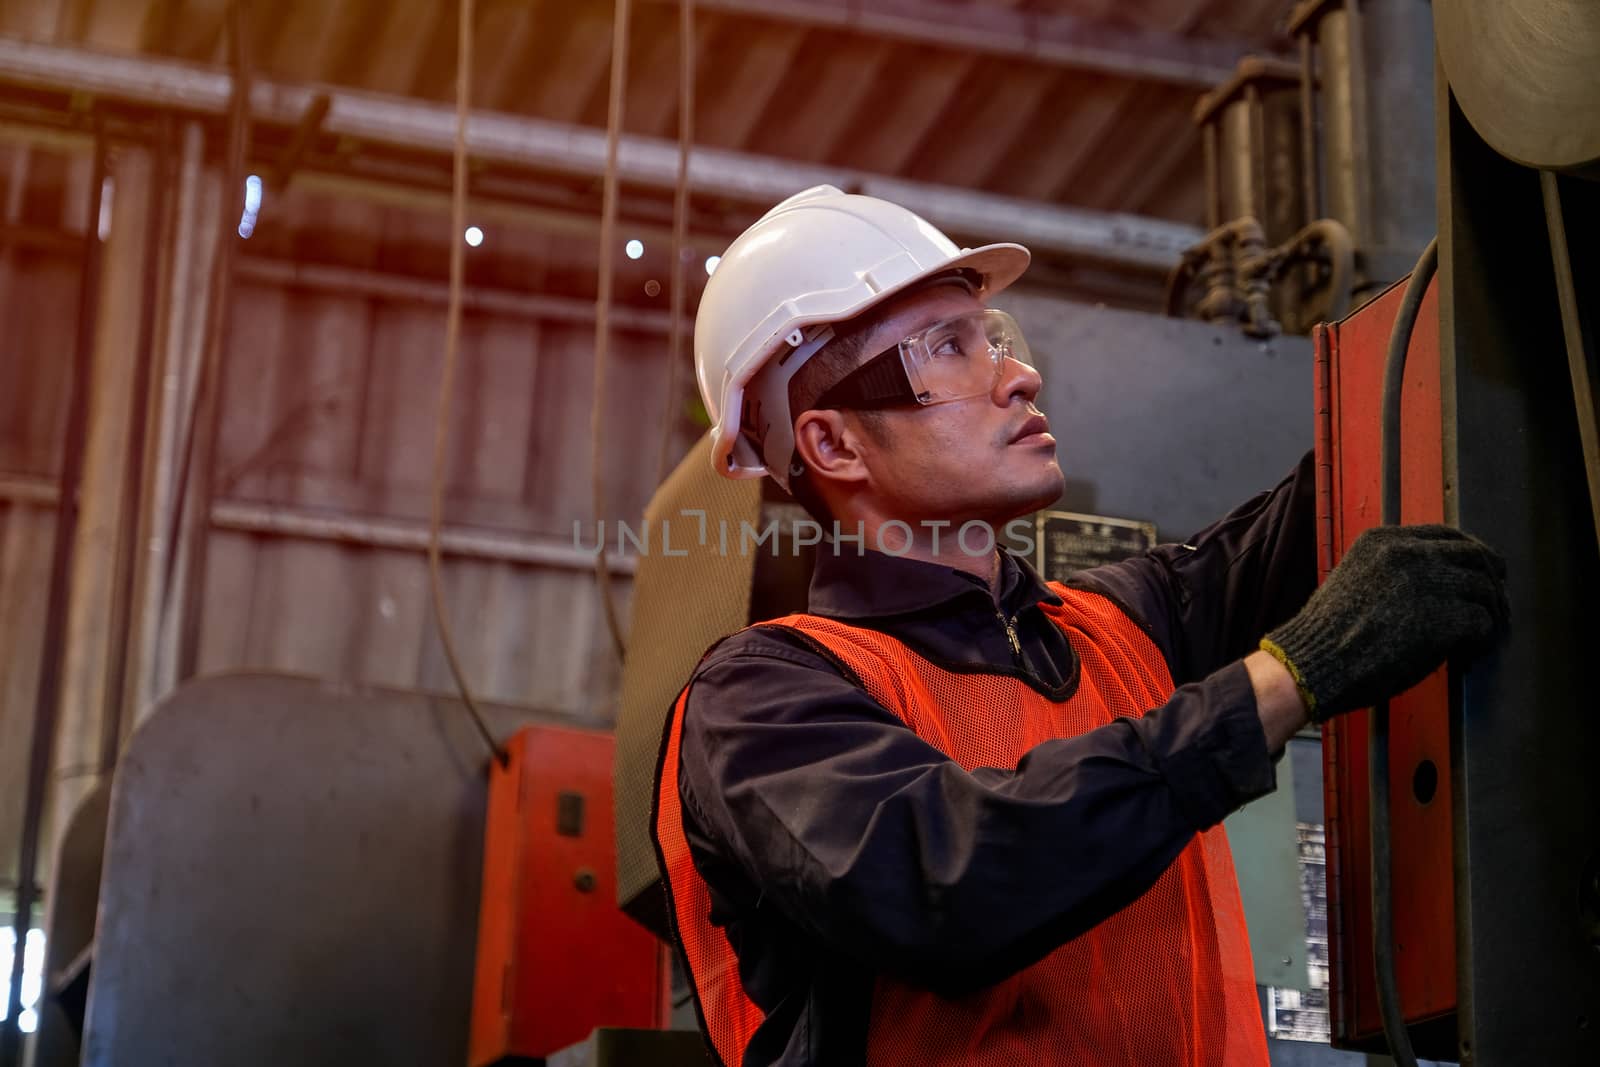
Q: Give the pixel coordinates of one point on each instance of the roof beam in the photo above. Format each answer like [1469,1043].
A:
[1056,39]
[1127,241]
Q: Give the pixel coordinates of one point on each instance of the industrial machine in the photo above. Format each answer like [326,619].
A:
[1464,823]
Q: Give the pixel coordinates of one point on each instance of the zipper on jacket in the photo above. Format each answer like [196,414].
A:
[1011,635]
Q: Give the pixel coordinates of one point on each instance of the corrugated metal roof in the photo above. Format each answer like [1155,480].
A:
[1080,102]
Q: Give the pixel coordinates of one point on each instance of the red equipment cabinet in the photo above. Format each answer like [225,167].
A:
[556,956]
[1350,359]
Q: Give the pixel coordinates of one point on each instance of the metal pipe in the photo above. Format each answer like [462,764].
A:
[1208,148]
[48,691]
[186,289]
[1127,241]
[360,531]
[1579,348]
[1309,163]
[30,492]
[1343,181]
[380,286]
[1335,240]
[1238,155]
[126,553]
[409,537]
[1394,56]
[1360,126]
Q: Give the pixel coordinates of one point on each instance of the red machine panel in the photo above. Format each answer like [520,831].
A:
[1350,368]
[556,956]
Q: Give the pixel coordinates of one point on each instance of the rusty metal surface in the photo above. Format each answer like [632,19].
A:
[292,874]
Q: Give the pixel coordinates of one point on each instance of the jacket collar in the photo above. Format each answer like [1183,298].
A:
[848,585]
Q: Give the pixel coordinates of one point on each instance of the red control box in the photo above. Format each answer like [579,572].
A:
[556,956]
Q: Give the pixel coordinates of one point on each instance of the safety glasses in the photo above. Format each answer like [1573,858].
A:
[955,359]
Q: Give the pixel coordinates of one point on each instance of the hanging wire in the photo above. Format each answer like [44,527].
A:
[602,316]
[202,401]
[447,375]
[680,226]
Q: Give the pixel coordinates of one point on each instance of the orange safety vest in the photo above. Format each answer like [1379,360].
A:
[1166,982]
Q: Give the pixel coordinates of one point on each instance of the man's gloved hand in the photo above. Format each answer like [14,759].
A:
[1402,600]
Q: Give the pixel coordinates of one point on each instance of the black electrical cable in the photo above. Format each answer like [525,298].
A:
[447,378]
[1394,371]
[680,230]
[615,109]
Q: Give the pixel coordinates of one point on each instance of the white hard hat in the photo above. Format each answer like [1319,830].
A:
[822,256]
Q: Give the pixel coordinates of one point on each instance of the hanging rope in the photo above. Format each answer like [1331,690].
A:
[680,226]
[447,375]
[602,316]
[202,405]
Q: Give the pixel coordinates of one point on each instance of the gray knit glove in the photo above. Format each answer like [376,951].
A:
[1402,600]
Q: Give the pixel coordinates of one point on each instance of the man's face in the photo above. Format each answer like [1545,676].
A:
[989,458]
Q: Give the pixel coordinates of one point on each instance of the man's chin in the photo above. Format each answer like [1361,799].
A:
[1051,484]
[1028,499]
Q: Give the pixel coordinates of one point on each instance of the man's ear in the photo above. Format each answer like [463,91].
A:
[831,445]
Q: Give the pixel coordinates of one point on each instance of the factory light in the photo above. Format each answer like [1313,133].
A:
[252,206]
[474,236]
[711,264]
[634,248]
[103,223]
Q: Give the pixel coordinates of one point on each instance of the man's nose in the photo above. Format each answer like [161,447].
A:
[1016,379]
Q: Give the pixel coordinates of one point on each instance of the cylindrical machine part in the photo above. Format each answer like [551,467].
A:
[1240,184]
[1397,42]
[1208,147]
[1341,177]
[1251,129]
[1375,58]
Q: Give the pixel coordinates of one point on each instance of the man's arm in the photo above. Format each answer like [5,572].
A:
[1279,705]
[889,852]
[1207,601]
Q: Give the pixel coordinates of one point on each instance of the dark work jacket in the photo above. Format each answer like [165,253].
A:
[771,724]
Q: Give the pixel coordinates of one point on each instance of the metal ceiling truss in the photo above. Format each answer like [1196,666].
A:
[1127,242]
[1051,38]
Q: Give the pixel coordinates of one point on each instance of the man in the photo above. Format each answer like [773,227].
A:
[955,814]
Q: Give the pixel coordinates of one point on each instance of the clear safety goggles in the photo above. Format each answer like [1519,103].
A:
[955,359]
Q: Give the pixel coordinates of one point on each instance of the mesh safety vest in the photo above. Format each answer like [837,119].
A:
[1166,982]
